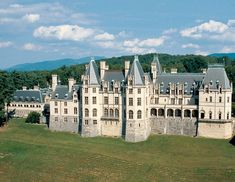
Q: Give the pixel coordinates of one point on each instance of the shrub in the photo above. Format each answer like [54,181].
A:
[33,117]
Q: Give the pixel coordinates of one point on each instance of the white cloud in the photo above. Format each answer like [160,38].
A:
[104,36]
[5,44]
[153,42]
[169,31]
[231,23]
[131,43]
[64,32]
[203,53]
[108,44]
[31,47]
[190,45]
[31,18]
[208,27]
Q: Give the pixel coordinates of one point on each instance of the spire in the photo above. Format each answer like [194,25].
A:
[156,61]
[137,72]
[92,72]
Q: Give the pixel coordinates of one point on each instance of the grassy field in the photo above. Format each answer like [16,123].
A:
[33,153]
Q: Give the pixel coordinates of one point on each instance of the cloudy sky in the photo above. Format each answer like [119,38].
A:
[32,31]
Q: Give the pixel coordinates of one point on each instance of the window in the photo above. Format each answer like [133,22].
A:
[180,92]
[139,114]
[65,103]
[116,113]
[86,122]
[75,120]
[138,101]
[130,91]
[210,98]
[86,100]
[116,90]
[86,113]
[94,112]
[94,90]
[116,100]
[86,90]
[86,82]
[56,110]
[75,101]
[93,100]
[130,82]
[65,119]
[105,90]
[111,112]
[130,114]
[172,92]
[106,100]
[207,90]
[220,90]
[228,99]
[210,115]
[56,103]
[172,101]
[106,112]
[220,115]
[65,111]
[228,115]
[220,99]
[130,101]
[75,110]
[180,101]
[94,121]
[139,91]
[206,99]
[156,91]
[56,119]
[156,100]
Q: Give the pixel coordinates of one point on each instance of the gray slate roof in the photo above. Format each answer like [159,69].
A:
[190,80]
[28,96]
[62,92]
[137,72]
[93,73]
[113,75]
[216,74]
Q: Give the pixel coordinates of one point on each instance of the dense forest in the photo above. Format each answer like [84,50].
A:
[10,81]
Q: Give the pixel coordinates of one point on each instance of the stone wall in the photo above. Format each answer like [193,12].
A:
[111,128]
[174,126]
[90,129]
[61,125]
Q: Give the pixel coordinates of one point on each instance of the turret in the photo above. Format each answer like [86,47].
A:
[127,67]
[103,68]
[54,82]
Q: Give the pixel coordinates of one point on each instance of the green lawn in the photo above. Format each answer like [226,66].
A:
[33,153]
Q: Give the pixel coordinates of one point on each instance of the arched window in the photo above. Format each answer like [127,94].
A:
[139,114]
[106,112]
[160,112]
[177,113]
[94,112]
[170,112]
[187,113]
[111,112]
[210,115]
[86,113]
[75,110]
[194,113]
[153,112]
[116,113]
[130,114]
[202,114]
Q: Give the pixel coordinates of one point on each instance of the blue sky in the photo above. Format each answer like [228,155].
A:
[32,31]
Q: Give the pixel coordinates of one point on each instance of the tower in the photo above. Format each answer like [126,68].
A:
[155,68]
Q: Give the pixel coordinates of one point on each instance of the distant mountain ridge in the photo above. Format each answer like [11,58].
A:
[52,64]
[218,55]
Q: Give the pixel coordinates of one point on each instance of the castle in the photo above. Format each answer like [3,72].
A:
[133,104]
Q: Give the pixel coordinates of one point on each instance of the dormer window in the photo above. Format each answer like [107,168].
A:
[56,95]
[130,82]
[211,82]
[185,84]
[162,84]
[66,96]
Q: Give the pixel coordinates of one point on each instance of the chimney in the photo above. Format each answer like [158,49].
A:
[103,68]
[24,88]
[35,87]
[54,82]
[204,70]
[174,70]
[71,83]
[127,67]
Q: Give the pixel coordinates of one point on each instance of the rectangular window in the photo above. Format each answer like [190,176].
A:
[228,99]
[210,98]
[172,92]
[56,110]
[93,100]
[86,100]
[56,119]
[180,101]
[86,90]
[56,103]
[116,90]
[220,99]
[94,90]
[65,119]
[172,101]
[130,91]
[105,90]
[75,110]
[139,91]
[65,111]
[75,120]
[138,101]
[156,100]
[180,92]
[106,100]
[156,91]
[94,121]
[130,101]
[116,100]
[86,122]
[86,82]
[65,103]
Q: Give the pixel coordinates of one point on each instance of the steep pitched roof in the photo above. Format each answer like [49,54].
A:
[156,61]
[216,74]
[62,92]
[93,73]
[28,96]
[114,75]
[137,72]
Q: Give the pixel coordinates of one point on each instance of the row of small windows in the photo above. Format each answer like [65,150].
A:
[131,101]
[111,113]
[94,122]
[211,115]
[106,100]
[220,99]
[65,119]
[25,105]
[131,91]
[94,112]
[131,114]
[105,89]
[75,110]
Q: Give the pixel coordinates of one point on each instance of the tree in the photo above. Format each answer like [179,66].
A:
[33,117]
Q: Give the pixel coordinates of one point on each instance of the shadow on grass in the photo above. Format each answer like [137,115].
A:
[232,141]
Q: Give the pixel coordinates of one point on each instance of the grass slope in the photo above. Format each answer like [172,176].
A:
[32,153]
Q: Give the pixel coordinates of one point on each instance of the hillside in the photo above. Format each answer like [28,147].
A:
[50,65]
[220,55]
